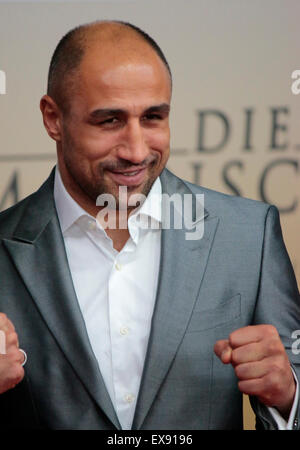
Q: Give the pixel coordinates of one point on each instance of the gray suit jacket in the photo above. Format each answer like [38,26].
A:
[238,274]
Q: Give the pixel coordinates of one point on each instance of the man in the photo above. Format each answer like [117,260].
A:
[134,327]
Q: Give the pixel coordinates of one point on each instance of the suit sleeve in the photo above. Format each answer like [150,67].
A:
[278,303]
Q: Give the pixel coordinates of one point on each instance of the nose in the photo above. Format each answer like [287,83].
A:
[134,147]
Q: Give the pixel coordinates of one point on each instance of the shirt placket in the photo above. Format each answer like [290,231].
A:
[122,339]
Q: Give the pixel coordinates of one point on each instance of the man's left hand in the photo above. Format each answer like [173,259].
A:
[261,365]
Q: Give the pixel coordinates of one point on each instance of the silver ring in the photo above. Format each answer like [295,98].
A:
[25,357]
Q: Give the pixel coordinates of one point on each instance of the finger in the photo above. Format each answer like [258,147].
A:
[250,352]
[14,355]
[223,350]
[251,333]
[252,387]
[273,389]
[5,324]
[13,376]
[220,346]
[269,389]
[12,340]
[252,370]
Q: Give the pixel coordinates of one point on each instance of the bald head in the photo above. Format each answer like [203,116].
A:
[110,39]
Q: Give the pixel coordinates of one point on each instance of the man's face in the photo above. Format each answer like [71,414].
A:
[116,132]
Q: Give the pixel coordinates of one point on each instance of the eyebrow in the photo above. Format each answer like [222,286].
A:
[163,108]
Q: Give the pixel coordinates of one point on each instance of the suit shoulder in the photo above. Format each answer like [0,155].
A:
[231,206]
[33,203]
[10,217]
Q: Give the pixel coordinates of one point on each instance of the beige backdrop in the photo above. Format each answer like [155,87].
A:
[235,121]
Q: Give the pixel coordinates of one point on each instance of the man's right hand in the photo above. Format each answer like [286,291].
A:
[11,370]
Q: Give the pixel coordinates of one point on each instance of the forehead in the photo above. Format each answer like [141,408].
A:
[123,71]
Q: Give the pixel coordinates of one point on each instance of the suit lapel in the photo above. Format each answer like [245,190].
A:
[38,252]
[182,267]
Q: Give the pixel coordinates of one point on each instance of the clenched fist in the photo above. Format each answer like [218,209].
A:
[261,365]
[11,370]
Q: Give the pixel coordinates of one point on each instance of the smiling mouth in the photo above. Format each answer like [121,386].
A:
[128,174]
[128,177]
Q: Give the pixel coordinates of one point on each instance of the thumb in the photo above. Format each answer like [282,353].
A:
[223,350]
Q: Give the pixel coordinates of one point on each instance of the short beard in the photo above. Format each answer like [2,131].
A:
[93,188]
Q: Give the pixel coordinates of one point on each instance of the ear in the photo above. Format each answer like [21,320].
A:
[51,117]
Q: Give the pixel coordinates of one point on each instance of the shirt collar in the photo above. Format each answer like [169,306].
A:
[69,211]
[151,208]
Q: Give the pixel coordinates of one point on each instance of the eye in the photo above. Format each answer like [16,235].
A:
[109,123]
[152,116]
[110,120]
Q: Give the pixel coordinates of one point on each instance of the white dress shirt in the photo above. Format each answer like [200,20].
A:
[116,292]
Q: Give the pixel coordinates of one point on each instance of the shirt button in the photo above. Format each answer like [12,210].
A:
[129,398]
[118,266]
[124,331]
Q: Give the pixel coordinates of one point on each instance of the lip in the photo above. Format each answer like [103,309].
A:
[133,180]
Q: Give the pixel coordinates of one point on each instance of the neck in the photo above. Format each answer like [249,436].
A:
[115,223]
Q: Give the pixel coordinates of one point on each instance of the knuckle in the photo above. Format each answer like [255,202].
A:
[220,345]
[235,357]
[232,338]
[239,371]
[11,325]
[217,347]
[20,373]
[274,346]
[17,371]
[274,368]
[279,364]
[241,386]
[15,375]
[273,385]
[14,354]
[12,338]
[270,330]
[3,318]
